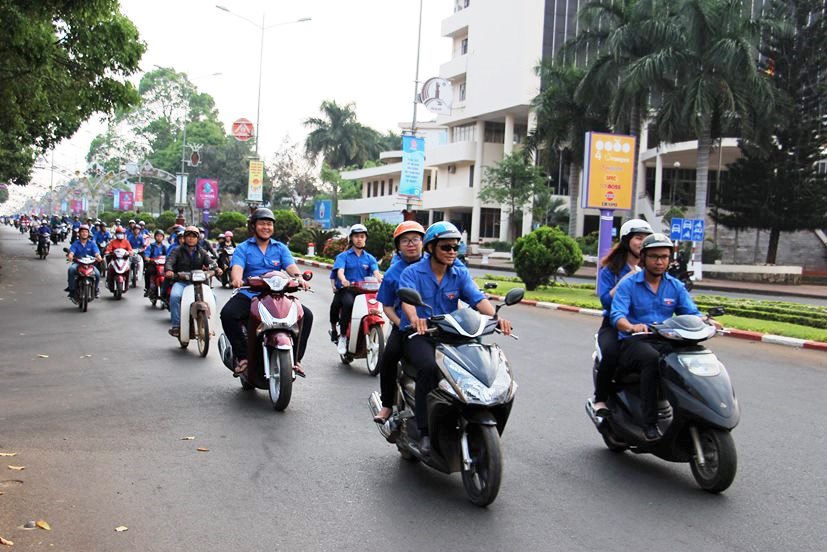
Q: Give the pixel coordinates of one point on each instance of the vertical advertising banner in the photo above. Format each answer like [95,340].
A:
[180,189]
[76,206]
[255,186]
[322,212]
[206,193]
[127,201]
[413,166]
[139,194]
[609,171]
[116,200]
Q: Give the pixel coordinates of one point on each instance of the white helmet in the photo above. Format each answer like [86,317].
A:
[635,226]
[357,229]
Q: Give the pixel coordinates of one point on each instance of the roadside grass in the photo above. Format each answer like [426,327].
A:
[584,296]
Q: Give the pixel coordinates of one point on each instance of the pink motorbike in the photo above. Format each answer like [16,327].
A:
[117,272]
[272,330]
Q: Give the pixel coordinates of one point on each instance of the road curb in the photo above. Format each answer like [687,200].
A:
[737,334]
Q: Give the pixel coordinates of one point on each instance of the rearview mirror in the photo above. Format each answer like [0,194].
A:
[307,275]
[514,296]
[490,285]
[410,296]
[65,249]
[716,311]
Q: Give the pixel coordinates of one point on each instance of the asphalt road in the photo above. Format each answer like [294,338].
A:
[98,426]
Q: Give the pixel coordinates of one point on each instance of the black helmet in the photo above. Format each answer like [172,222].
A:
[262,213]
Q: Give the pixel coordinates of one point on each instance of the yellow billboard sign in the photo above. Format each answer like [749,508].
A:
[255,185]
[609,171]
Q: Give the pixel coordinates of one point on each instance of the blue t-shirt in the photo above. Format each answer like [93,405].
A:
[357,267]
[79,250]
[390,284]
[155,250]
[444,296]
[606,281]
[248,256]
[635,301]
[137,242]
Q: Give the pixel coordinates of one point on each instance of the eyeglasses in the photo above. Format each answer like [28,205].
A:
[659,258]
[410,241]
[448,248]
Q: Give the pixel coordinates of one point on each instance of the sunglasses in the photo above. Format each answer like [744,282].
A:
[448,248]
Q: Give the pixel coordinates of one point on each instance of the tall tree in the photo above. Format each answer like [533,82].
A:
[60,62]
[563,121]
[339,138]
[513,183]
[776,186]
[706,73]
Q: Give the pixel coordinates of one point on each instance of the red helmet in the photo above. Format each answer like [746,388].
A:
[120,230]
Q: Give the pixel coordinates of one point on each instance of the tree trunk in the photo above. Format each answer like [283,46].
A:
[772,248]
[702,168]
[574,197]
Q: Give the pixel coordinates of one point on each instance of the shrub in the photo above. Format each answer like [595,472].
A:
[710,253]
[298,243]
[538,255]
[287,224]
[334,246]
[499,246]
[228,220]
[589,243]
[380,237]
[165,220]
[240,234]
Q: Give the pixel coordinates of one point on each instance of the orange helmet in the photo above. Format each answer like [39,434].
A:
[120,230]
[405,227]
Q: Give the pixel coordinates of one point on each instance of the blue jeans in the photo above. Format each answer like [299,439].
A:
[175,303]
[73,274]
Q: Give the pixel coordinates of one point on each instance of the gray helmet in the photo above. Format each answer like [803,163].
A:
[656,240]
[262,213]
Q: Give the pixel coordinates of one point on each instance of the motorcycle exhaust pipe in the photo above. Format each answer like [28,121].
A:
[596,420]
[375,405]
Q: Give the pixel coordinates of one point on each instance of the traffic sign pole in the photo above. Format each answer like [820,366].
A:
[604,244]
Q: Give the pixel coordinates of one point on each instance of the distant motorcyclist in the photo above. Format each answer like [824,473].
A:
[101,235]
[185,258]
[136,238]
[120,242]
[155,249]
[82,247]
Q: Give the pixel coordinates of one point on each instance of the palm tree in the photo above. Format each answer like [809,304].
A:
[707,73]
[339,137]
[563,121]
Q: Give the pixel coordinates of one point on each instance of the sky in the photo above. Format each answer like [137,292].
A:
[360,51]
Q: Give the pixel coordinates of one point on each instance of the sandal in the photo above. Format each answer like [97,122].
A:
[240,367]
[380,419]
[297,368]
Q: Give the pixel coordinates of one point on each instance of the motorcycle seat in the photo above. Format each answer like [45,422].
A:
[409,369]
[627,377]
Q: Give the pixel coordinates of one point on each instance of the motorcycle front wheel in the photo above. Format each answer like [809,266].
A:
[720,460]
[202,333]
[281,378]
[376,346]
[83,297]
[482,479]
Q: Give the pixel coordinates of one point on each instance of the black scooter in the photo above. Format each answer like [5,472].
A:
[468,410]
[679,268]
[697,408]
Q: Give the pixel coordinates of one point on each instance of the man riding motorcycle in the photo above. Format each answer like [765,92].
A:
[82,247]
[101,235]
[352,265]
[441,283]
[647,297]
[407,239]
[185,258]
[256,256]
[155,249]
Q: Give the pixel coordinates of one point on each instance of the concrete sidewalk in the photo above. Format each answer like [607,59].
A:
[711,284]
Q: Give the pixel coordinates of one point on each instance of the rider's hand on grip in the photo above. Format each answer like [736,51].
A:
[420,325]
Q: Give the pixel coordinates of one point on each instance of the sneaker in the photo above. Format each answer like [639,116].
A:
[175,331]
[334,336]
[97,294]
[146,293]
[651,432]
[342,346]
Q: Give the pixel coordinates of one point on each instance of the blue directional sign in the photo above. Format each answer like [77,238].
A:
[322,211]
[697,230]
[677,224]
[686,230]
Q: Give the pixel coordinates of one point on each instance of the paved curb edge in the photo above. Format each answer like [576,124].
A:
[737,334]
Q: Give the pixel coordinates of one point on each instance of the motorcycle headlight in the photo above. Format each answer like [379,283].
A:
[706,365]
[473,390]
[198,276]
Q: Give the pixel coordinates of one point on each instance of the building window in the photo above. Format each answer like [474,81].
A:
[367,187]
[463,46]
[390,186]
[463,133]
[461,5]
[489,223]
[375,188]
[471,176]
[428,182]
[494,132]
[382,188]
[461,93]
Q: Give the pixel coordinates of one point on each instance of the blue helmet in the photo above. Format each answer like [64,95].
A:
[442,230]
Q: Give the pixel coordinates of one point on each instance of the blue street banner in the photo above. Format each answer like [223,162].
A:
[322,212]
[698,230]
[675,232]
[413,167]
[116,200]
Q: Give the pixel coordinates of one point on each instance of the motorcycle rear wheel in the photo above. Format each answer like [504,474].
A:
[375,348]
[482,480]
[116,289]
[281,378]
[202,333]
[720,460]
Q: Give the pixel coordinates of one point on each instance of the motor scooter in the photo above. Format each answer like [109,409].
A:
[43,245]
[225,256]
[85,281]
[365,333]
[273,330]
[117,272]
[198,312]
[697,408]
[469,408]
[136,265]
[678,268]
[155,266]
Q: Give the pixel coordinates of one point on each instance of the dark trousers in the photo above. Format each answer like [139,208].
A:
[335,307]
[234,318]
[421,352]
[388,365]
[346,297]
[642,353]
[609,354]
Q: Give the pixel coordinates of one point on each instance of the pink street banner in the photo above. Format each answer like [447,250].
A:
[139,194]
[206,193]
[127,201]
